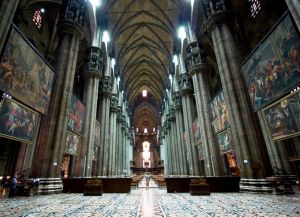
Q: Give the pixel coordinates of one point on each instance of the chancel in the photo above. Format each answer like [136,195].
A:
[202,95]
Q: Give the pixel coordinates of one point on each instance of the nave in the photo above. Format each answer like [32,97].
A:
[152,202]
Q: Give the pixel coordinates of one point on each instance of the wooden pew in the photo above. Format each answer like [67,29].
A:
[198,186]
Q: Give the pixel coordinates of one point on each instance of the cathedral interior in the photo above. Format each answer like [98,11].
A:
[202,95]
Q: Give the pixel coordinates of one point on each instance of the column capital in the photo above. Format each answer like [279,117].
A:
[72,17]
[105,86]
[185,84]
[119,115]
[217,12]
[123,123]
[171,114]
[93,63]
[177,100]
[114,103]
[195,59]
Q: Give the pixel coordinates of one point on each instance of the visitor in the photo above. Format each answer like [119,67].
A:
[13,186]
[36,184]
[3,185]
[147,177]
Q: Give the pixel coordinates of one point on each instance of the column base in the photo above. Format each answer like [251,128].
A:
[256,186]
[50,186]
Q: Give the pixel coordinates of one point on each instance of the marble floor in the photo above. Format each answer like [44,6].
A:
[151,203]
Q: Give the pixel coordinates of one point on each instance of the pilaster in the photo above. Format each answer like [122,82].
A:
[186,88]
[52,138]
[92,73]
[198,70]
[105,88]
[179,133]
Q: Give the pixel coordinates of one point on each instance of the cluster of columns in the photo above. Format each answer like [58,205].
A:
[100,98]
[180,157]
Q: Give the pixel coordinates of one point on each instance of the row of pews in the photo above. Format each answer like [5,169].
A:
[135,180]
[193,185]
[159,180]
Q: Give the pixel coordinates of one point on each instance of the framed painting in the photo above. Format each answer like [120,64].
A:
[76,116]
[273,68]
[283,117]
[73,142]
[218,112]
[21,68]
[225,141]
[17,121]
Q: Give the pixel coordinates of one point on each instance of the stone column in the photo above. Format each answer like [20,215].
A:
[113,135]
[185,85]
[179,132]
[169,152]
[119,142]
[294,7]
[124,144]
[245,138]
[174,142]
[198,71]
[271,146]
[164,154]
[105,91]
[52,137]
[93,70]
[7,12]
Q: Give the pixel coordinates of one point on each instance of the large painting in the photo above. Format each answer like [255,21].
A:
[225,141]
[73,142]
[219,114]
[76,116]
[274,68]
[17,121]
[284,117]
[196,132]
[97,133]
[25,75]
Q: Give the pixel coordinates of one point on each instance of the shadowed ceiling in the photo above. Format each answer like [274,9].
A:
[143,35]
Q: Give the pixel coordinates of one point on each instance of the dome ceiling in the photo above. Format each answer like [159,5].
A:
[143,35]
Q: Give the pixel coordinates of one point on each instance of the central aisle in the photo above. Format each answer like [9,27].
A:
[154,202]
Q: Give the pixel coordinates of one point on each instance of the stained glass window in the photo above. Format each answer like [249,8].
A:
[254,7]
[37,18]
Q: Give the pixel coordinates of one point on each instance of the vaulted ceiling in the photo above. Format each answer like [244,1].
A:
[143,36]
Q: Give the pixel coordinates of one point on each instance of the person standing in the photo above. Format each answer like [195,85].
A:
[147,177]
[13,186]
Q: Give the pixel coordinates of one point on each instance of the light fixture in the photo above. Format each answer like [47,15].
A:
[105,37]
[181,33]
[145,130]
[175,60]
[113,62]
[144,93]
[42,10]
[95,3]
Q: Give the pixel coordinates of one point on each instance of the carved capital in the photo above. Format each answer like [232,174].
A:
[93,63]
[217,18]
[185,84]
[114,103]
[195,59]
[105,86]
[119,115]
[177,100]
[171,114]
[72,16]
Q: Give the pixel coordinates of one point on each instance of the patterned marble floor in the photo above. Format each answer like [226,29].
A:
[151,203]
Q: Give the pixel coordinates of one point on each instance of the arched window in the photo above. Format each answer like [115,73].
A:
[254,7]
